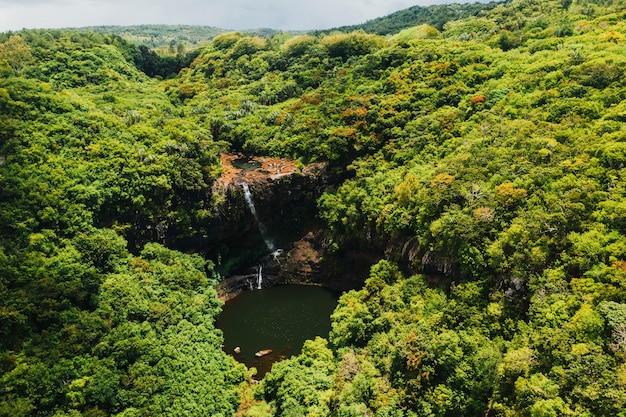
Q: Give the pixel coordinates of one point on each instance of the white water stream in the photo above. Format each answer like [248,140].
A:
[247,195]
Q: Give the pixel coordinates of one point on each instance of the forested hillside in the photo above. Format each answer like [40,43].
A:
[166,37]
[485,160]
[436,15]
[169,39]
[87,327]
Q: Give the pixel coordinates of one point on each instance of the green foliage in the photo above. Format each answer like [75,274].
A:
[511,195]
[297,386]
[165,38]
[416,364]
[352,44]
[488,156]
[15,52]
[160,36]
[149,336]
[435,15]
[87,328]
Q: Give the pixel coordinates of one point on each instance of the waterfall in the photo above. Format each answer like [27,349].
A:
[247,195]
[275,253]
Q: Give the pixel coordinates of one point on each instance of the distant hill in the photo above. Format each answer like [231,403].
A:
[161,36]
[436,16]
[168,37]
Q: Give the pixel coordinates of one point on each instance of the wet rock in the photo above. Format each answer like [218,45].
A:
[262,353]
[434,263]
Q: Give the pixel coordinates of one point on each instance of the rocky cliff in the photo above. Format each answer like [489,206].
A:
[281,236]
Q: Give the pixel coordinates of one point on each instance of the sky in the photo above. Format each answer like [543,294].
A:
[225,14]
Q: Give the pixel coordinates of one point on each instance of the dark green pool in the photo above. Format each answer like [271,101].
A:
[246,164]
[279,318]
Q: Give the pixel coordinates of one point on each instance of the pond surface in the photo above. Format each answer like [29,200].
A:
[279,319]
[246,164]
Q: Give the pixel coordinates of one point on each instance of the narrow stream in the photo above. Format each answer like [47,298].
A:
[279,319]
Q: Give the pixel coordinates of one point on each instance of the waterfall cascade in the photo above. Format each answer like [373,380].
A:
[247,195]
[259,278]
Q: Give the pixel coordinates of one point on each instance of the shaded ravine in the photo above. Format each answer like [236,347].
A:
[263,320]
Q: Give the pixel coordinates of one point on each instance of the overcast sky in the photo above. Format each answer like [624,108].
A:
[226,14]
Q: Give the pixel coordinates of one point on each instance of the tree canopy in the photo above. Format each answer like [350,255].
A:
[483,157]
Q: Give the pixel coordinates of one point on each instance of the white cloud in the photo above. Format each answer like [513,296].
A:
[232,14]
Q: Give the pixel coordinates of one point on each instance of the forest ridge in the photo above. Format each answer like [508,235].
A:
[167,38]
[484,157]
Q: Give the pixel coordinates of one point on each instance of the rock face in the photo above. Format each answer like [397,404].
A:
[436,264]
[285,202]
[309,261]
[283,237]
[284,198]
[306,261]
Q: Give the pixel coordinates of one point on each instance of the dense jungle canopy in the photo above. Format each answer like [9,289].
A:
[495,144]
